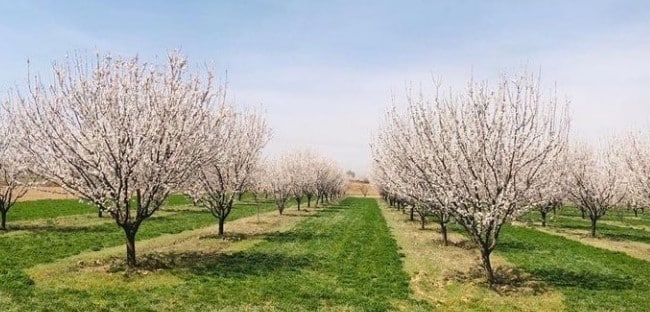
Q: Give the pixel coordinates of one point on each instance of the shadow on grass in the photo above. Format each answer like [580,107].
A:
[295,215]
[584,279]
[508,280]
[626,237]
[293,236]
[610,232]
[15,282]
[277,237]
[45,228]
[515,245]
[560,277]
[462,244]
[339,206]
[214,264]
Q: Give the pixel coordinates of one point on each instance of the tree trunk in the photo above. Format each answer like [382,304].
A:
[593,227]
[100,213]
[443,230]
[423,220]
[3,222]
[221,223]
[130,232]
[298,200]
[412,217]
[543,218]
[582,211]
[487,266]
[636,214]
[240,195]
[308,201]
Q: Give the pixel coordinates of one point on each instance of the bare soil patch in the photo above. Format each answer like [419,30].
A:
[354,189]
[46,192]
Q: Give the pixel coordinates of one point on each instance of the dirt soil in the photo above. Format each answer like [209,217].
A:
[355,189]
[46,192]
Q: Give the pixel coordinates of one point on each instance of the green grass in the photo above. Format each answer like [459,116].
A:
[178,199]
[590,278]
[568,218]
[47,243]
[603,230]
[624,216]
[39,209]
[342,258]
[52,208]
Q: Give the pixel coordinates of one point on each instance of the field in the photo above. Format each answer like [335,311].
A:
[354,189]
[354,255]
[46,192]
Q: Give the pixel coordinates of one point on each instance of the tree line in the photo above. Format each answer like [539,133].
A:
[124,134]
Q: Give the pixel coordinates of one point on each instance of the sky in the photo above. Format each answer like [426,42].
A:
[325,71]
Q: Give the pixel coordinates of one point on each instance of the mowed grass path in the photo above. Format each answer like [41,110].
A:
[569,217]
[341,259]
[589,271]
[589,278]
[592,279]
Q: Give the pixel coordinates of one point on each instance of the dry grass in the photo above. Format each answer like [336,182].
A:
[104,269]
[447,276]
[639,227]
[68,222]
[633,249]
[46,192]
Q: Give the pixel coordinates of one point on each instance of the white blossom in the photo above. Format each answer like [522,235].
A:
[119,132]
[476,154]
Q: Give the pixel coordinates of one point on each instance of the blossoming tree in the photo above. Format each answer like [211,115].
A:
[480,151]
[595,182]
[234,145]
[118,132]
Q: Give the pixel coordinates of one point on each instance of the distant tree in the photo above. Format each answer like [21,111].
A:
[594,182]
[298,164]
[304,173]
[550,196]
[636,161]
[234,145]
[364,188]
[279,181]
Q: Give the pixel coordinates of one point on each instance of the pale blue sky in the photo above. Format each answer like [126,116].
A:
[324,70]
